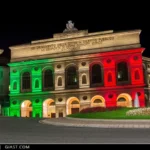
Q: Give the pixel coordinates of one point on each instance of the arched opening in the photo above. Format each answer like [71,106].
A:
[71,77]
[84,80]
[98,101]
[96,75]
[48,80]
[122,72]
[124,100]
[26,81]
[36,83]
[15,85]
[59,81]
[26,109]
[49,109]
[73,105]
[136,75]
[109,77]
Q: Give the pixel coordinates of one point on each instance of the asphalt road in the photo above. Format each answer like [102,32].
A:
[29,130]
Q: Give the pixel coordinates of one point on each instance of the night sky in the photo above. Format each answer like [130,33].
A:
[28,27]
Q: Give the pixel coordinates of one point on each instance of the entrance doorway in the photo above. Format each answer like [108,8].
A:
[60,114]
[26,109]
[49,108]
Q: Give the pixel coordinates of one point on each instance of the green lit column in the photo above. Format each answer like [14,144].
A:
[14,81]
[37,107]
[15,107]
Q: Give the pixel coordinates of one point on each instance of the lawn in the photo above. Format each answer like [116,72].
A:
[115,114]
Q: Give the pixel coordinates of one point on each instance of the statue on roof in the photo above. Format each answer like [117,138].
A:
[70,27]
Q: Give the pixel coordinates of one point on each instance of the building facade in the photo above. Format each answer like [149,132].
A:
[75,70]
[4,84]
[146,70]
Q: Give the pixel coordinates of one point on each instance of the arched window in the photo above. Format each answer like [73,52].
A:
[84,81]
[36,83]
[122,71]
[60,81]
[47,79]
[96,75]
[15,85]
[71,77]
[136,75]
[26,81]
[109,77]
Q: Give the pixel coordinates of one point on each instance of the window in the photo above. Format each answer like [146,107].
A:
[14,102]
[60,99]
[15,85]
[37,83]
[59,81]
[71,77]
[37,100]
[109,77]
[26,81]
[137,75]
[96,75]
[84,81]
[48,79]
[122,71]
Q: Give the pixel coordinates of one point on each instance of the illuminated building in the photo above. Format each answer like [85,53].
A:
[74,70]
[4,84]
[146,70]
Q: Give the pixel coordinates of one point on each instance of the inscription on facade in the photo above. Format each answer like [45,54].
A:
[73,45]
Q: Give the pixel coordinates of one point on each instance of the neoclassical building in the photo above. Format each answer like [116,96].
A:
[74,70]
[146,70]
[4,84]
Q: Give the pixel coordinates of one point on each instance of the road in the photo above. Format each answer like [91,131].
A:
[29,130]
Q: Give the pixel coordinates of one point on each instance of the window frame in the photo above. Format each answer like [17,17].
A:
[66,77]
[102,76]
[29,89]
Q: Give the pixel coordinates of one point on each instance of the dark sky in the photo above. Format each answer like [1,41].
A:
[29,27]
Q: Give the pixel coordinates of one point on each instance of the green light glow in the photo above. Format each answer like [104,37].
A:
[36,96]
[30,62]
[5,111]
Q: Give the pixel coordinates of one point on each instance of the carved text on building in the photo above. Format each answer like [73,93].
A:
[72,45]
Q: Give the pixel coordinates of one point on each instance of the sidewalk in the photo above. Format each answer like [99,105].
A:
[99,123]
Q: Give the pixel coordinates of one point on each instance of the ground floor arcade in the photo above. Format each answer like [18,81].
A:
[55,107]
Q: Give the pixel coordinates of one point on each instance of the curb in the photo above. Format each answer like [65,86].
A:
[101,125]
[109,120]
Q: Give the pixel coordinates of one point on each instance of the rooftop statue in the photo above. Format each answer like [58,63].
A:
[70,27]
